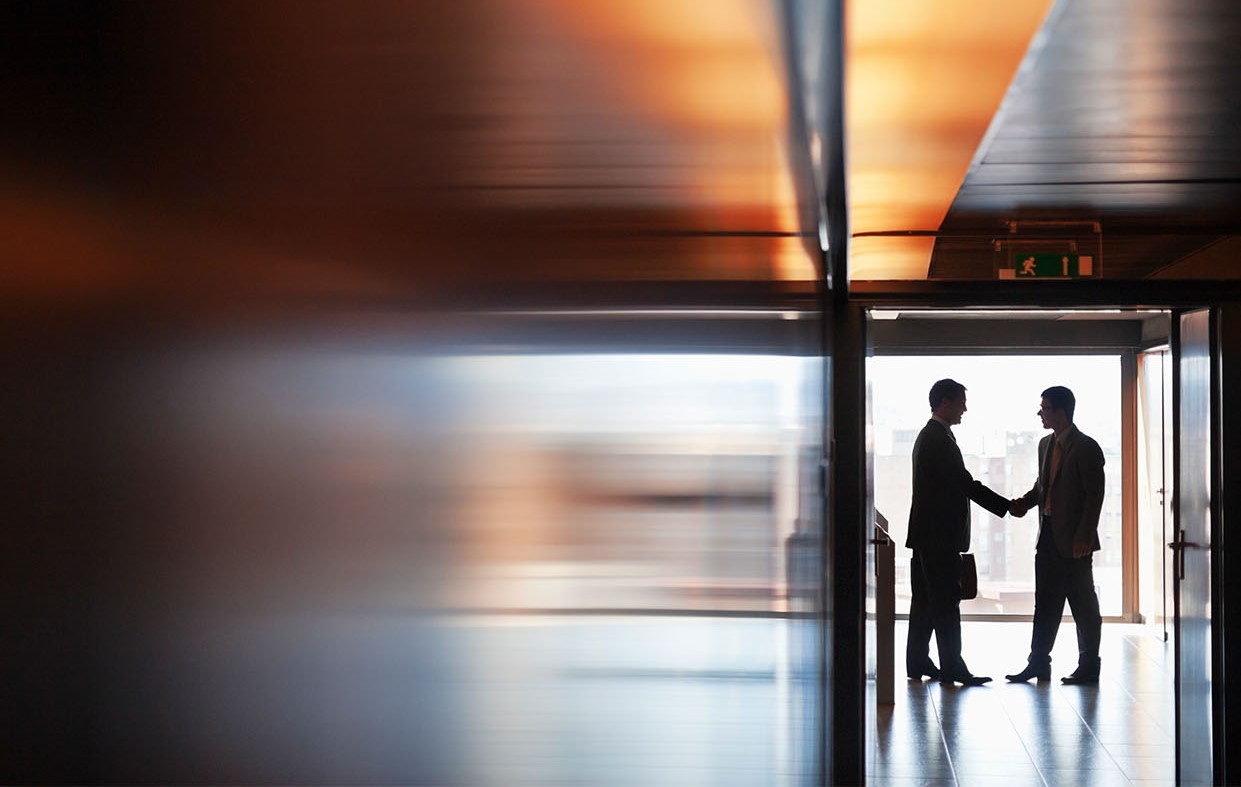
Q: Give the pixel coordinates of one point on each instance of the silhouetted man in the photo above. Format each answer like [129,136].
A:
[939,531]
[1069,496]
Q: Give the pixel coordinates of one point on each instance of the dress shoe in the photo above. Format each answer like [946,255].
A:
[930,671]
[1030,672]
[964,680]
[1079,678]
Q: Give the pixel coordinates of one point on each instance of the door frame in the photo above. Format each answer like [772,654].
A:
[1158,625]
[1222,296]
[1120,340]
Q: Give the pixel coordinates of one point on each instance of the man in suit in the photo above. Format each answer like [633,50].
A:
[939,531]
[1069,497]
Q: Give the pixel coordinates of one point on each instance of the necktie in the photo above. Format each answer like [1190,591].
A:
[1052,466]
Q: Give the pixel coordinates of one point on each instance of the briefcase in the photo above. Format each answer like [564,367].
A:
[969,577]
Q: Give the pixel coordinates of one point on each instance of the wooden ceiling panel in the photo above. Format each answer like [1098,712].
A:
[1124,113]
[923,81]
[208,153]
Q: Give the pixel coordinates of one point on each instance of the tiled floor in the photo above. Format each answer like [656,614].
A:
[1041,734]
[682,701]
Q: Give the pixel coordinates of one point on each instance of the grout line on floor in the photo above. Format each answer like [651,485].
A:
[939,724]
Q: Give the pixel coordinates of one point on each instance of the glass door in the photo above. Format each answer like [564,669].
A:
[1154,489]
[1195,506]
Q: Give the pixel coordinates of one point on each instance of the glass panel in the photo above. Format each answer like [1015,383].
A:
[999,438]
[633,481]
[1154,487]
[633,484]
[324,548]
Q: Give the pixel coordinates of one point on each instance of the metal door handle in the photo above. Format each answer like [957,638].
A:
[1179,546]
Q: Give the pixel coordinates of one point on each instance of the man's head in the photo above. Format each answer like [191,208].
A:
[1056,408]
[948,400]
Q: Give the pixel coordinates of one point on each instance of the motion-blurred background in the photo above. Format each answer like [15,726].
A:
[410,392]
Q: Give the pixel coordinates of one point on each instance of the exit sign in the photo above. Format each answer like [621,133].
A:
[1049,266]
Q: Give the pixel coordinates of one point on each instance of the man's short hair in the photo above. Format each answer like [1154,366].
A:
[946,389]
[1061,398]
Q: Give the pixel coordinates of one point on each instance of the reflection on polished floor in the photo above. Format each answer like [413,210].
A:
[1120,732]
[695,700]
[626,700]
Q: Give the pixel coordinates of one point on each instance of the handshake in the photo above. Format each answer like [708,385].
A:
[1018,507]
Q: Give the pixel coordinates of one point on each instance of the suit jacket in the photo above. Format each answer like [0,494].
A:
[939,516]
[1076,495]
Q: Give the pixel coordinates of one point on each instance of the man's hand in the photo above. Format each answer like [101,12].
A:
[1082,547]
[1017,507]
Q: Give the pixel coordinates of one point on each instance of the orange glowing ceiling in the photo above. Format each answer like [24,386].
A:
[922,83]
[653,111]
[382,151]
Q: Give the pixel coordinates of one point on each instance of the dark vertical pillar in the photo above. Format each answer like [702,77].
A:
[848,495]
[845,618]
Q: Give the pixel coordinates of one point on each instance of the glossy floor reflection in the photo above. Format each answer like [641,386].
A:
[1119,732]
[637,700]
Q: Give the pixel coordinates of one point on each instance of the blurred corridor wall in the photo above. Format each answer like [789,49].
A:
[297,557]
[374,373]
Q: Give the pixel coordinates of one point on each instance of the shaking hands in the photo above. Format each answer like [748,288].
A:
[1018,507]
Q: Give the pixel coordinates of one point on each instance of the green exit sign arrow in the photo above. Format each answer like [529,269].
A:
[1049,266]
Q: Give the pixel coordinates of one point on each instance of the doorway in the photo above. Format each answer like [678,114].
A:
[998,438]
[1119,362]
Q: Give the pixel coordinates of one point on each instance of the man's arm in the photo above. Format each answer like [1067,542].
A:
[959,476]
[988,498]
[1090,468]
[1025,502]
